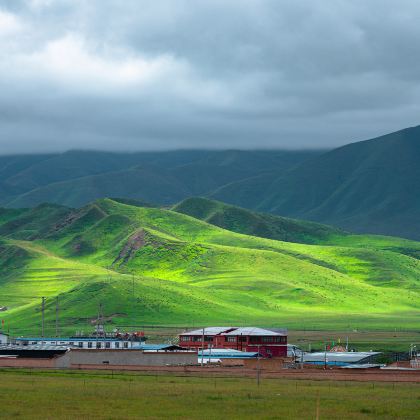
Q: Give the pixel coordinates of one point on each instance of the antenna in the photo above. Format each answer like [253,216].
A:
[99,322]
[56,316]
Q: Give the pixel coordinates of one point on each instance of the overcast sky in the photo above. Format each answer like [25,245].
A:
[165,74]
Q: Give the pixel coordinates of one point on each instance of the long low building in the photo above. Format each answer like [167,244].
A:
[340,358]
[75,358]
[126,359]
[32,351]
[80,342]
[268,343]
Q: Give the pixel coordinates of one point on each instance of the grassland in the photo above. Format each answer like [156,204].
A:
[151,266]
[59,395]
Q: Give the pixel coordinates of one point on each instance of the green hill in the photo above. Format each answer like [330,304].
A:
[368,187]
[154,266]
[240,220]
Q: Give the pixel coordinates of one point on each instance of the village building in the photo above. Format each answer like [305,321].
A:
[268,343]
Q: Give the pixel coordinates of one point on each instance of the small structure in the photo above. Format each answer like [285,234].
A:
[341,358]
[217,355]
[267,343]
[294,351]
[4,338]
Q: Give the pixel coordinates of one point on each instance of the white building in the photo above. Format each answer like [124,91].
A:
[4,338]
[79,342]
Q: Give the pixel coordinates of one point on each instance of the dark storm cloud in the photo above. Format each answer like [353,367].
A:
[205,73]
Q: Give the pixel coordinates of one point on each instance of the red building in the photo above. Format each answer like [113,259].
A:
[251,339]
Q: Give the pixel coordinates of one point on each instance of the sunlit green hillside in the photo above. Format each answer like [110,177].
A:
[152,266]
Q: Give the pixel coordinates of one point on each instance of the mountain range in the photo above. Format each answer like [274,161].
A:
[371,186]
[176,266]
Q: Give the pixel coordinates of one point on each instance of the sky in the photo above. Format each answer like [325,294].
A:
[166,74]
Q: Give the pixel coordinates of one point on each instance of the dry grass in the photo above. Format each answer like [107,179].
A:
[57,395]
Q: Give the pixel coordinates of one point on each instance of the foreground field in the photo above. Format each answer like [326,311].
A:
[59,395]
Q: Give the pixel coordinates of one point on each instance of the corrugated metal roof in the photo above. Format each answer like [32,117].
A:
[157,347]
[208,331]
[31,347]
[254,331]
[345,357]
[237,331]
[227,354]
[363,366]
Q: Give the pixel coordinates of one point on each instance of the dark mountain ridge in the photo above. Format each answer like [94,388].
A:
[371,186]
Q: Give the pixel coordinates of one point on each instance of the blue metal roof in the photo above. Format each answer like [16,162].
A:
[155,347]
[227,354]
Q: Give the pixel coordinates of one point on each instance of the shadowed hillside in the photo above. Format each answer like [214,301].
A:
[77,177]
[371,187]
[245,221]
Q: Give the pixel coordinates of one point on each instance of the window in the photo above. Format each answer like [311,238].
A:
[267,339]
[80,344]
[126,344]
[254,339]
[242,339]
[108,345]
[117,345]
[231,339]
[185,338]
[98,345]
[208,338]
[71,343]
[89,344]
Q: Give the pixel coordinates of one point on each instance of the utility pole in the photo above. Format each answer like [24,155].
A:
[134,298]
[202,349]
[132,279]
[43,317]
[325,356]
[56,316]
[258,365]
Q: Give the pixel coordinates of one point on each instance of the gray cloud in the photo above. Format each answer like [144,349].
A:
[163,74]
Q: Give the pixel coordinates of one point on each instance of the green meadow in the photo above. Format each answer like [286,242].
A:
[71,394]
[154,266]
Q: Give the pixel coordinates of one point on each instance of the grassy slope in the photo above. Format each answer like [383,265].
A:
[153,266]
[245,221]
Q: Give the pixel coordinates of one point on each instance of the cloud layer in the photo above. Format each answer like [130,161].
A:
[164,74]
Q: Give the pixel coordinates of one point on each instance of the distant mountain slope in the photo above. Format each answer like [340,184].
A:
[240,220]
[371,186]
[77,177]
[157,266]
